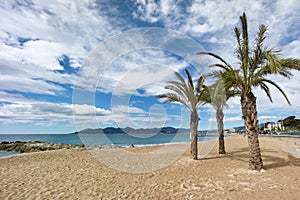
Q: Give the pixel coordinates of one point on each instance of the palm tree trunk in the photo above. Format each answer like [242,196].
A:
[220,117]
[251,124]
[194,133]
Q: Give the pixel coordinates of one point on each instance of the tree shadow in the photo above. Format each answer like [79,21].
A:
[278,162]
[270,159]
[213,157]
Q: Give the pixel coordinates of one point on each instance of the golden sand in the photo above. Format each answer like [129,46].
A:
[76,174]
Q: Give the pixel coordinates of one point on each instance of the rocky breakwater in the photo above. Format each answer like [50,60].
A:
[35,146]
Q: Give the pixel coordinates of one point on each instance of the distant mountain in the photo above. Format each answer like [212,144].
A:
[163,130]
[239,128]
[113,130]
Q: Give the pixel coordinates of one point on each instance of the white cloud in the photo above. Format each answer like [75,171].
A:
[202,19]
[292,49]
[127,109]
[23,77]
[146,70]
[49,30]
[266,117]
[199,17]
[35,113]
[27,85]
[48,113]
[146,10]
[40,52]
[228,119]
[18,109]
[89,110]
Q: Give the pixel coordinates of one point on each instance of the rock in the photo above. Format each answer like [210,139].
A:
[25,147]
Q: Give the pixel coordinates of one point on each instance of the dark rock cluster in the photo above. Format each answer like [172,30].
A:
[35,146]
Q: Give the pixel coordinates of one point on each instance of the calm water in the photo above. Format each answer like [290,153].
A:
[8,153]
[103,139]
[100,139]
[284,133]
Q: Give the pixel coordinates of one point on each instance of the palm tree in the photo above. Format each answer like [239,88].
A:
[255,63]
[184,92]
[217,95]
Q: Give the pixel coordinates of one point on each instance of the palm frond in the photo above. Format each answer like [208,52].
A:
[238,50]
[281,91]
[264,87]
[190,80]
[225,67]
[290,63]
[232,92]
[176,89]
[259,51]
[203,95]
[279,66]
[180,77]
[181,89]
[172,97]
[199,84]
[180,86]
[286,73]
[274,62]
[245,48]
[215,56]
[214,74]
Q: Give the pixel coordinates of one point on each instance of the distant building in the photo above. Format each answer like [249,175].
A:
[274,126]
[232,130]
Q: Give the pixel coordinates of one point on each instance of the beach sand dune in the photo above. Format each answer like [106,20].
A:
[77,174]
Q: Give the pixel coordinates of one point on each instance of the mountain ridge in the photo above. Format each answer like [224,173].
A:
[113,130]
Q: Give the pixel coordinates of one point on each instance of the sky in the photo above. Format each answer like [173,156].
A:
[75,64]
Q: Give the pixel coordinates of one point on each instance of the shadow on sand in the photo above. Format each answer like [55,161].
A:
[270,158]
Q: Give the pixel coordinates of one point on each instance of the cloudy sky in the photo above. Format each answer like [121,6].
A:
[74,64]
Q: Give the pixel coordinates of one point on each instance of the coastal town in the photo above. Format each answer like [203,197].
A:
[286,125]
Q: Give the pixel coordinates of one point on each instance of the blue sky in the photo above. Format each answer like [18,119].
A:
[70,65]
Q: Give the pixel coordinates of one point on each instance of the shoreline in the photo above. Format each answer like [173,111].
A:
[293,151]
[37,146]
[289,138]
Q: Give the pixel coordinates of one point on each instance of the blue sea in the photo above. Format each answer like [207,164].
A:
[123,140]
[8,153]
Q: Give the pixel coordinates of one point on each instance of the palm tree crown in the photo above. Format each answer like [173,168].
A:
[255,63]
[184,92]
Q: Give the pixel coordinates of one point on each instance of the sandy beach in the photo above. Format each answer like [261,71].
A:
[77,174]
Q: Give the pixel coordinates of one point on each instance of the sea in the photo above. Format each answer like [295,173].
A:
[105,140]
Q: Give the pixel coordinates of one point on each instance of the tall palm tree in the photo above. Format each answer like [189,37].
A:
[217,95]
[184,92]
[255,63]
